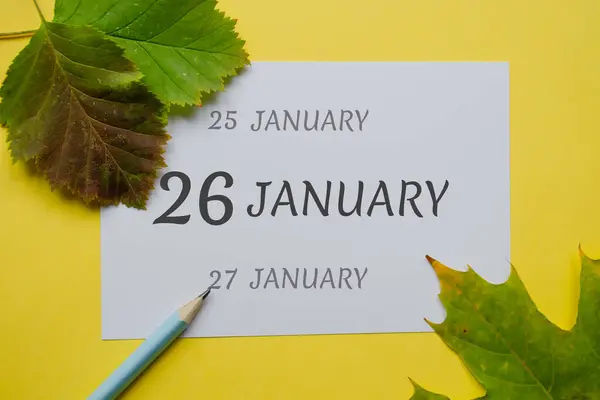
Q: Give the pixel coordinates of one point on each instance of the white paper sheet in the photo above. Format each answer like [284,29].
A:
[442,123]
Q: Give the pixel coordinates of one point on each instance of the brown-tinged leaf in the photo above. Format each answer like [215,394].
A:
[74,107]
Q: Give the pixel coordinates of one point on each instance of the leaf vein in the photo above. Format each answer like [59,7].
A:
[104,13]
[86,169]
[587,341]
[220,52]
[116,127]
[553,370]
[178,20]
[25,82]
[65,140]
[135,19]
[209,20]
[128,152]
[190,64]
[479,346]
[86,65]
[65,38]
[74,11]
[509,382]
[493,328]
[163,71]
[184,48]
[46,96]
[104,100]
[107,151]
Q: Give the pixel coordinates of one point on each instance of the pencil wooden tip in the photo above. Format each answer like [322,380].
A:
[189,311]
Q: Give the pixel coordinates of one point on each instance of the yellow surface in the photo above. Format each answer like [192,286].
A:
[50,345]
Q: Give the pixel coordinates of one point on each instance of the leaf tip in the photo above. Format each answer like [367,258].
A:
[580,249]
[438,267]
[582,255]
[432,324]
[414,384]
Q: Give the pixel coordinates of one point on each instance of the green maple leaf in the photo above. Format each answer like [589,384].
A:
[75,110]
[510,347]
[184,48]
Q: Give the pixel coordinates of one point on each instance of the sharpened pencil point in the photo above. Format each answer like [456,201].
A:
[189,311]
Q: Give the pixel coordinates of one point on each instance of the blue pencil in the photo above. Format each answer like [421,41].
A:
[151,348]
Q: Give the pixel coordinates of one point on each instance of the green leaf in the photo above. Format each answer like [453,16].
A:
[588,317]
[422,394]
[511,348]
[75,110]
[183,47]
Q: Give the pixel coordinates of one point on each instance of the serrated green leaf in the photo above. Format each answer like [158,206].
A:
[511,348]
[422,394]
[183,47]
[74,108]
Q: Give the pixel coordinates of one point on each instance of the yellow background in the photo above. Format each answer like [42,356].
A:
[50,345]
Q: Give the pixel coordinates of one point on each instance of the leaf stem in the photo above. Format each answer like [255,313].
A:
[16,35]
[39,10]
[22,34]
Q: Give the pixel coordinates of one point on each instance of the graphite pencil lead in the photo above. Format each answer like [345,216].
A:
[205,294]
